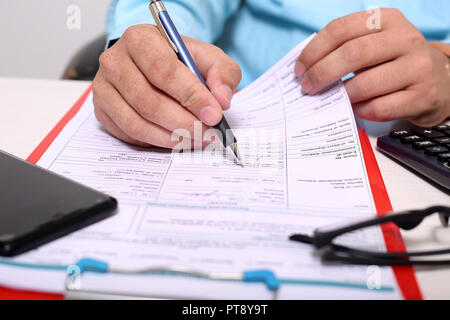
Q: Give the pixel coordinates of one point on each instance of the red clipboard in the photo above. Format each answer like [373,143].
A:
[405,276]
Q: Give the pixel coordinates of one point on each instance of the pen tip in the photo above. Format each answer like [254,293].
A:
[237,154]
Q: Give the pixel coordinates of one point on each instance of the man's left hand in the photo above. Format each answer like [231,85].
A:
[398,75]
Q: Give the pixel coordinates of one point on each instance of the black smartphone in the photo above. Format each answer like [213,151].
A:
[38,206]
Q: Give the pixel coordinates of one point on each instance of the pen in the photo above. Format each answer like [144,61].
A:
[169,31]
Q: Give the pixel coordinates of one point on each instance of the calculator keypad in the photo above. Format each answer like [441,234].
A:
[442,127]
[428,133]
[420,145]
[437,150]
[410,138]
[426,150]
[444,157]
[443,141]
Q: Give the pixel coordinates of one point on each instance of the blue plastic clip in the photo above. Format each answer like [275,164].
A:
[90,265]
[264,276]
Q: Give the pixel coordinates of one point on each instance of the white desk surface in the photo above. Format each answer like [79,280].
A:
[30,109]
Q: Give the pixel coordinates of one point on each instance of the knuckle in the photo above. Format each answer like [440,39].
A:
[163,74]
[415,38]
[353,51]
[424,67]
[193,97]
[392,13]
[98,115]
[140,101]
[98,91]
[136,36]
[152,29]
[150,108]
[96,87]
[132,129]
[96,100]
[432,95]
[108,61]
[133,35]
[337,28]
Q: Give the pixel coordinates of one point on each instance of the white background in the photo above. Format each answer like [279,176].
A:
[35,41]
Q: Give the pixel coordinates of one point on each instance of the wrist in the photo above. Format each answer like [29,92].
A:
[442,60]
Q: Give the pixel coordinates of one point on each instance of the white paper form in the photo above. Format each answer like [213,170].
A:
[303,169]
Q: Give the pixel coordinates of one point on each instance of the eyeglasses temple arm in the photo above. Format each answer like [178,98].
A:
[321,239]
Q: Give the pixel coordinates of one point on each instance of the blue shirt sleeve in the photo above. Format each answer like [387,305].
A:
[257,33]
[200,19]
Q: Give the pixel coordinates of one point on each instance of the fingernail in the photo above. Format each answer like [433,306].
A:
[227,94]
[300,69]
[306,85]
[209,116]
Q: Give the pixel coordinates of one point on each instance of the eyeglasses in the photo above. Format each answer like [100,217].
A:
[332,252]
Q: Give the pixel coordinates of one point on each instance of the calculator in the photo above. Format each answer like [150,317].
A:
[424,150]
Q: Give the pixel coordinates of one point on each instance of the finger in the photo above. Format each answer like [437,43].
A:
[354,55]
[340,31]
[222,74]
[110,126]
[381,80]
[127,120]
[149,102]
[395,106]
[160,65]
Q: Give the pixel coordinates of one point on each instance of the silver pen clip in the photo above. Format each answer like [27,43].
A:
[156,7]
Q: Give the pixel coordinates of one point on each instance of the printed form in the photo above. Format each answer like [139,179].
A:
[304,169]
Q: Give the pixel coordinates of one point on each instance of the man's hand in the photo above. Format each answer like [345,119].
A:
[142,92]
[398,75]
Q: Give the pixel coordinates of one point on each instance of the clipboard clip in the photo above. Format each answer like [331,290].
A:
[73,289]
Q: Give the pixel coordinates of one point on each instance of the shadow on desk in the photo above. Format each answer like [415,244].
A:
[84,65]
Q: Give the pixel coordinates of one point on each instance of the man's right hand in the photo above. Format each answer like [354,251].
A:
[142,92]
